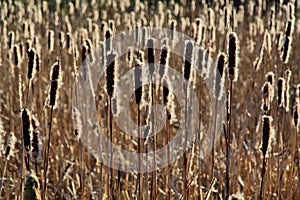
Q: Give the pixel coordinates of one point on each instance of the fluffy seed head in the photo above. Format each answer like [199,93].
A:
[233,56]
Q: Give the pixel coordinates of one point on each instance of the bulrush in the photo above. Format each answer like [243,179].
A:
[281,92]
[270,76]
[265,147]
[267,134]
[55,84]
[164,61]
[197,34]
[16,55]
[69,42]
[84,52]
[27,129]
[220,78]
[151,55]
[35,137]
[233,56]
[188,59]
[50,41]
[267,96]
[111,73]
[31,64]
[286,43]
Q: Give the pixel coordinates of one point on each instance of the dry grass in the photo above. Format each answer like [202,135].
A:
[35,36]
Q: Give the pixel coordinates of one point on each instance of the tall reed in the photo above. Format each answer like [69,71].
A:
[55,77]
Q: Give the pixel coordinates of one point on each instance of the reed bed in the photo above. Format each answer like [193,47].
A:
[243,51]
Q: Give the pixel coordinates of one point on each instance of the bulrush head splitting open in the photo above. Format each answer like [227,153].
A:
[233,56]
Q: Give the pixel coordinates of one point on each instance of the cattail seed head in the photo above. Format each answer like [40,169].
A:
[111,73]
[270,76]
[281,92]
[164,61]
[35,137]
[16,55]
[55,84]
[50,41]
[267,96]
[267,134]
[61,37]
[27,129]
[84,52]
[11,41]
[233,56]
[108,44]
[289,28]
[219,76]
[31,64]
[151,55]
[188,59]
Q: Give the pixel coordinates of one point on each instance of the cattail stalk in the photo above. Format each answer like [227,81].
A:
[111,78]
[233,62]
[187,71]
[138,100]
[280,105]
[266,137]
[52,102]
